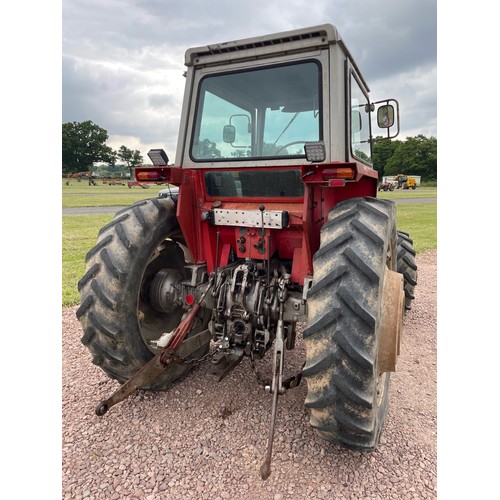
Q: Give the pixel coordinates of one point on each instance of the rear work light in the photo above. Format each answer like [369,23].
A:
[158,157]
[315,151]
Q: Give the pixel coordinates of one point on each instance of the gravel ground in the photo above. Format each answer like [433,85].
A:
[203,439]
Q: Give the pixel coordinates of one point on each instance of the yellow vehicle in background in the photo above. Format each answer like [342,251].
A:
[405,181]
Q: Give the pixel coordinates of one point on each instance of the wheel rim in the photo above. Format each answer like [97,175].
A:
[152,321]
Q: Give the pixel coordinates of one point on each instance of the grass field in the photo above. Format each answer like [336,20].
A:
[79,235]
[79,232]
[80,194]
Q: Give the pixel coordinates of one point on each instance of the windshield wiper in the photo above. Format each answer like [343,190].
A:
[286,128]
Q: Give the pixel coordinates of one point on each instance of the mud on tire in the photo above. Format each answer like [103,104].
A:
[116,315]
[347,395]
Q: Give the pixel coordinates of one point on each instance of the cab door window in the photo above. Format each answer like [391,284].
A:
[360,122]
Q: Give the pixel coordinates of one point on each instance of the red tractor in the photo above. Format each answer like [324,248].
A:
[276,222]
[386,186]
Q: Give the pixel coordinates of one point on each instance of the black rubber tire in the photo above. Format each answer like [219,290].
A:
[117,319]
[347,396]
[407,266]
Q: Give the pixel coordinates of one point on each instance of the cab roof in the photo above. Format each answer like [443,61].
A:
[264,46]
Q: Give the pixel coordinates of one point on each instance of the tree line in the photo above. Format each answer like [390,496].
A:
[84,143]
[414,156]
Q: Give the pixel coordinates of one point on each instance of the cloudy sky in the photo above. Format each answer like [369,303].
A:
[123,60]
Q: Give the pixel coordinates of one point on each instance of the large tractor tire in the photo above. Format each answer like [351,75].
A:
[407,266]
[117,312]
[347,388]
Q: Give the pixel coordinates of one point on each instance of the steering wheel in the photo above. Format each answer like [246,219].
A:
[287,145]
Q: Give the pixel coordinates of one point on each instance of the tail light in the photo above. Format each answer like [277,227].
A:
[149,175]
[339,173]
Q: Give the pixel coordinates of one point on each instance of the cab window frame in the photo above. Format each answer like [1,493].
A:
[368,139]
[199,103]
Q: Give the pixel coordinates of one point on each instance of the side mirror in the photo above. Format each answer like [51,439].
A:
[229,134]
[385,116]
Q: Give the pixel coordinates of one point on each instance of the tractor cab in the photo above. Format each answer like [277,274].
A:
[278,100]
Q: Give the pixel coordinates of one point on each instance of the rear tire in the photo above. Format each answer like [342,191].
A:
[347,395]
[407,266]
[118,319]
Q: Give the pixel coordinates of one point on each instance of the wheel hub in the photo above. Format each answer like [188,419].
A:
[164,290]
